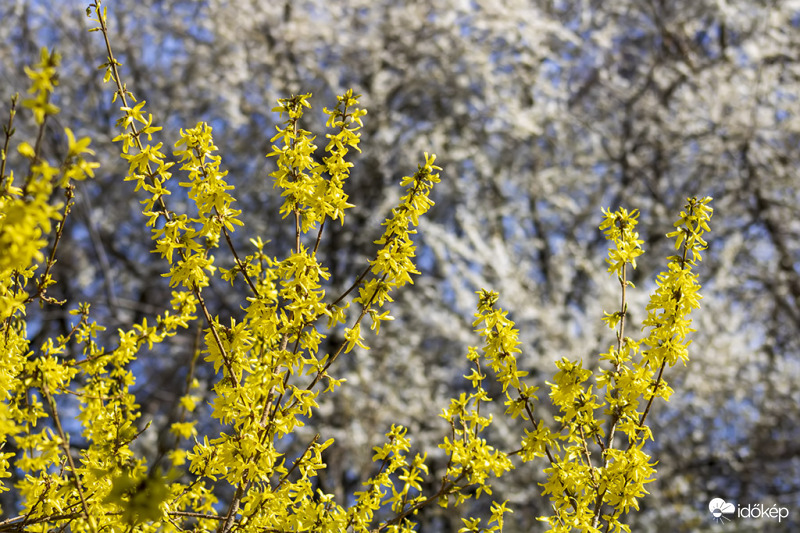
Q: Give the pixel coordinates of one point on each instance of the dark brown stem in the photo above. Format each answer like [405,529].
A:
[9,131]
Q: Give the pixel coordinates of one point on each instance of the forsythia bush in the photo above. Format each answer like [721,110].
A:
[269,368]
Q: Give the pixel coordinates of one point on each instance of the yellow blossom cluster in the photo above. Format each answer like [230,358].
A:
[593,480]
[268,367]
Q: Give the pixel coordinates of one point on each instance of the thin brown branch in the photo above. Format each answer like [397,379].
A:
[8,129]
[65,446]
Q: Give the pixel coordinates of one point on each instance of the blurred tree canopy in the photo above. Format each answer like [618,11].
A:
[540,112]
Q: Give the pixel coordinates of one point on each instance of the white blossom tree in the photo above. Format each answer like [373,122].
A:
[541,113]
